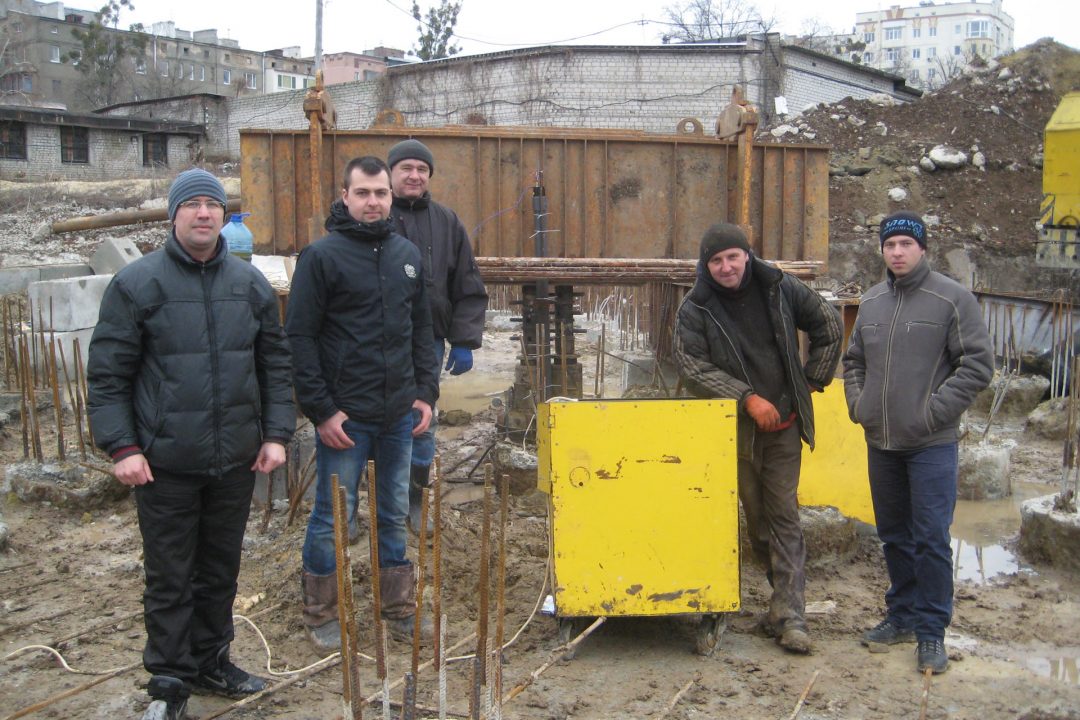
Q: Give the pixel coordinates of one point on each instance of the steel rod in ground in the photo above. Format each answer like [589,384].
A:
[805,694]
[73,691]
[386,676]
[474,687]
[58,409]
[421,563]
[376,587]
[557,655]
[928,674]
[24,406]
[440,658]
[485,581]
[6,310]
[326,664]
[350,690]
[436,566]
[459,644]
[35,428]
[71,403]
[81,390]
[500,586]
[408,697]
[678,696]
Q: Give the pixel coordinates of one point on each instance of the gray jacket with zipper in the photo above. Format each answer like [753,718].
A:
[711,356]
[918,356]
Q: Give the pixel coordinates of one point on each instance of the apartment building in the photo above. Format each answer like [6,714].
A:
[349,67]
[931,42]
[42,53]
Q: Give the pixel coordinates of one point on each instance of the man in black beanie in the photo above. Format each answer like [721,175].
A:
[736,337]
[919,355]
[455,289]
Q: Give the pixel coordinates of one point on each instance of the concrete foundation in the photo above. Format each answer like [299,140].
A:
[114,254]
[1023,394]
[984,471]
[829,536]
[18,279]
[1049,535]
[65,340]
[64,485]
[68,304]
[1050,420]
[639,370]
[520,465]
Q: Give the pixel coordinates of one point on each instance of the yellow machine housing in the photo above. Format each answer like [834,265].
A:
[1059,219]
[644,506]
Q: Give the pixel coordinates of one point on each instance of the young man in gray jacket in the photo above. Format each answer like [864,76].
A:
[919,355]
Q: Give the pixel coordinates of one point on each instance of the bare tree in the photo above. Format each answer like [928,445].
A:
[104,59]
[14,70]
[815,34]
[702,20]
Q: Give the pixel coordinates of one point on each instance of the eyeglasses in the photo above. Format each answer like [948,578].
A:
[195,205]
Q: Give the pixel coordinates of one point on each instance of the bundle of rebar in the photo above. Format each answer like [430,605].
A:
[609,271]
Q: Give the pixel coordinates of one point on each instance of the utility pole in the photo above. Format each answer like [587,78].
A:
[318,35]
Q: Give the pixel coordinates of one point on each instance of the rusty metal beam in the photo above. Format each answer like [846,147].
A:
[608,271]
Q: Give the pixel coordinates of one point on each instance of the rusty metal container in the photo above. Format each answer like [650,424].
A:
[611,194]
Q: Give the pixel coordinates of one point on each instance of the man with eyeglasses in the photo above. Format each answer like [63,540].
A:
[455,289]
[191,395]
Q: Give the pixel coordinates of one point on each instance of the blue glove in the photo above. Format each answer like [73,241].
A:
[460,360]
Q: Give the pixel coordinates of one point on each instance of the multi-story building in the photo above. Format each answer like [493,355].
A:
[348,67]
[931,43]
[41,56]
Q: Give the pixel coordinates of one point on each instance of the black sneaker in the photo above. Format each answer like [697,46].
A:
[932,656]
[886,633]
[168,699]
[229,680]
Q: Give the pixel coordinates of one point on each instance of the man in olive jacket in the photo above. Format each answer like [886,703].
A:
[919,354]
[736,337]
[190,395]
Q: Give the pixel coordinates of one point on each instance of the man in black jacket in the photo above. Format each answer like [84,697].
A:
[189,386]
[736,337]
[455,289]
[365,374]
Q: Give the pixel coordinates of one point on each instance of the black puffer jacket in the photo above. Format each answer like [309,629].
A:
[188,362]
[359,324]
[455,289]
[710,354]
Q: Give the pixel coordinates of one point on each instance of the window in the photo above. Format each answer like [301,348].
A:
[914,74]
[54,30]
[892,54]
[931,53]
[55,87]
[186,50]
[191,72]
[916,32]
[930,73]
[76,56]
[309,82]
[74,144]
[251,81]
[978,29]
[933,31]
[957,50]
[868,37]
[140,66]
[202,73]
[957,29]
[868,57]
[12,140]
[916,53]
[164,68]
[54,53]
[226,77]
[226,57]
[16,27]
[286,82]
[155,150]
[248,59]
[894,33]
[17,83]
[206,53]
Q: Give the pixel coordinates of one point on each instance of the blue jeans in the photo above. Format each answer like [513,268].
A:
[423,447]
[914,494]
[390,447]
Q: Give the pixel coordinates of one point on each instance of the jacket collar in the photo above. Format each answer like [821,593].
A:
[913,279]
[342,222]
[763,274]
[176,251]
[418,204]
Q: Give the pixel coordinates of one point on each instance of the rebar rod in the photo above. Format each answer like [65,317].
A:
[485,570]
[58,409]
[436,572]
[805,694]
[73,691]
[678,696]
[35,429]
[557,655]
[71,403]
[81,390]
[928,675]
[408,697]
[421,571]
[346,617]
[376,586]
[7,342]
[24,414]
[424,666]
[500,585]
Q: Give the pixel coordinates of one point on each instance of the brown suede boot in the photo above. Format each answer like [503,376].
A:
[397,587]
[321,611]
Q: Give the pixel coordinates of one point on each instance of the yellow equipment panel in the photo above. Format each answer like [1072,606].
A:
[644,506]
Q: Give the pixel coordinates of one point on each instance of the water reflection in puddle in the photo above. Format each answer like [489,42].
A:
[980,563]
[1063,665]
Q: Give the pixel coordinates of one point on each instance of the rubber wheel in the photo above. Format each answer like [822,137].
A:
[710,631]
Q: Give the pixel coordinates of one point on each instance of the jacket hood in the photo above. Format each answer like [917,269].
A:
[418,204]
[341,221]
[757,270]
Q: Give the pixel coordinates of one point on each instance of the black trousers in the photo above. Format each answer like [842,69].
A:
[192,529]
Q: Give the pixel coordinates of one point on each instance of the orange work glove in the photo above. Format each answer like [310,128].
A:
[764,413]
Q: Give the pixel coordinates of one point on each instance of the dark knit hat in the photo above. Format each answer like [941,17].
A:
[722,236]
[903,222]
[193,183]
[410,150]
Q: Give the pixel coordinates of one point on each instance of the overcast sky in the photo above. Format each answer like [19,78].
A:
[493,25]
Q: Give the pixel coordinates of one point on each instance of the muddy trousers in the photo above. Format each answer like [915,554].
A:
[914,494]
[193,529]
[768,486]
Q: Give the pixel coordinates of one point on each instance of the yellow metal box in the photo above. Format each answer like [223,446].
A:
[643,506]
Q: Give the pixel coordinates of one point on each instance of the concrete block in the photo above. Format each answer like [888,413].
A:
[1022,395]
[984,471]
[639,368]
[69,304]
[1050,535]
[520,465]
[65,340]
[17,279]
[114,254]
[1050,420]
[829,535]
[59,272]
[64,485]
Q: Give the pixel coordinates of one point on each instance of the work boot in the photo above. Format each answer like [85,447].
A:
[168,699]
[418,481]
[225,678]
[887,632]
[320,610]
[795,640]
[932,656]
[397,590]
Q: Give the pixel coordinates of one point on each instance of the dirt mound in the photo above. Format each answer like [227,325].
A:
[987,207]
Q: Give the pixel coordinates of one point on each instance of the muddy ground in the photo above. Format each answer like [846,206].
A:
[1014,643]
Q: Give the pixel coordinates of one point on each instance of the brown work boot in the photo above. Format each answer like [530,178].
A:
[321,610]
[795,640]
[397,586]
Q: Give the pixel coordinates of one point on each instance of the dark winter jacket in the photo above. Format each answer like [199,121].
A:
[918,356]
[455,289]
[711,356]
[359,324]
[189,363]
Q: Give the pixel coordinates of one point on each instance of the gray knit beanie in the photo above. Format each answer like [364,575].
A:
[410,150]
[194,183]
[722,236]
